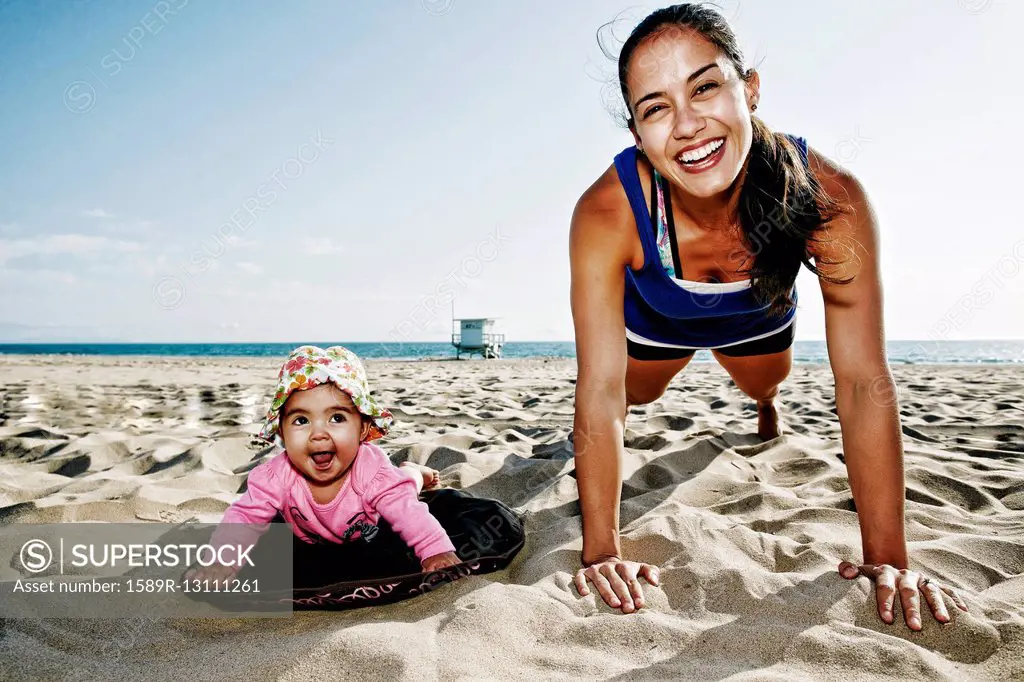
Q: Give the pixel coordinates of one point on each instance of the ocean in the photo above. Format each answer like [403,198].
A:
[899,352]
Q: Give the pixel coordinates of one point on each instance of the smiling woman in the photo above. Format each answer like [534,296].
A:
[692,239]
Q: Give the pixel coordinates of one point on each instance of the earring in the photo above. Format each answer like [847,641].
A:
[640,148]
[754,107]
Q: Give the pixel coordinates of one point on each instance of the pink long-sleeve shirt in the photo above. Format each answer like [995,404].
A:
[374,488]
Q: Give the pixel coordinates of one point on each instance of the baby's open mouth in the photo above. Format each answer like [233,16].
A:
[322,460]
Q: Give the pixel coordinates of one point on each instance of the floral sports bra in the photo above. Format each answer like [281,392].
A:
[663,235]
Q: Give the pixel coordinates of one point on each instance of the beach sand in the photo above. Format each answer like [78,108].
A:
[748,534]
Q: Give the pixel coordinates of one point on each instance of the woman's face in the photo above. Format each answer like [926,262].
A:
[322,431]
[691,111]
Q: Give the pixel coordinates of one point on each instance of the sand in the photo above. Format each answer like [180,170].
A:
[748,534]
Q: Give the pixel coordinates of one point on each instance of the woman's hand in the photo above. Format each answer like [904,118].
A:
[910,585]
[617,581]
[439,561]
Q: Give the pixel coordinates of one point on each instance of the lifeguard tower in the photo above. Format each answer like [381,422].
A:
[476,335]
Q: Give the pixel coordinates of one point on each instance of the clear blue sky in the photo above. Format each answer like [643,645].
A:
[455,137]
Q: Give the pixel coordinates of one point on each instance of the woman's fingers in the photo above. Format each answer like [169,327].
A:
[870,570]
[910,598]
[603,587]
[580,580]
[618,586]
[910,585]
[933,595]
[885,591]
[848,570]
[627,573]
[650,573]
[618,582]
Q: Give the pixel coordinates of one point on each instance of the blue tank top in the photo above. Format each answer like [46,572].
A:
[663,311]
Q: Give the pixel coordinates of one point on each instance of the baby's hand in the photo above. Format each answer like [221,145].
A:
[212,573]
[439,561]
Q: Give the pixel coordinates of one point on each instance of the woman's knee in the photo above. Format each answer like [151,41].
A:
[642,395]
[759,380]
[646,381]
[761,391]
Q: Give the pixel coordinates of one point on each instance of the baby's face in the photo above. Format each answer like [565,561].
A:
[322,430]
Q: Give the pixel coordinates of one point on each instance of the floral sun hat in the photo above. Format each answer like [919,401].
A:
[310,366]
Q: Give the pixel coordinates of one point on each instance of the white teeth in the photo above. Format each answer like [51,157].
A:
[701,152]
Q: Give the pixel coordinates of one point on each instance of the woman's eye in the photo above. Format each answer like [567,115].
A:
[653,109]
[706,87]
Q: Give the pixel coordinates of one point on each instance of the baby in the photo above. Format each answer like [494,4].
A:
[331,484]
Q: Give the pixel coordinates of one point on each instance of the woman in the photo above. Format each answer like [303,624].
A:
[710,192]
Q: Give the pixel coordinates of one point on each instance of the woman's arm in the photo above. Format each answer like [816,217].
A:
[865,391]
[866,400]
[600,248]
[598,255]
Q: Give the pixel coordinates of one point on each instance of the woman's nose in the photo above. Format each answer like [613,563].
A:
[687,123]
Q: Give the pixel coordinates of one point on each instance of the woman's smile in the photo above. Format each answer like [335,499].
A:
[702,158]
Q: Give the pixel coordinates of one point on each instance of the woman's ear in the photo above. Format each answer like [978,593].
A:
[753,89]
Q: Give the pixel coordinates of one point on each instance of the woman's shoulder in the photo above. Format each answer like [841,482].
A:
[853,224]
[605,199]
[837,181]
[603,219]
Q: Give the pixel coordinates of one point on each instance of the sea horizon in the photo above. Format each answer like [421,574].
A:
[899,351]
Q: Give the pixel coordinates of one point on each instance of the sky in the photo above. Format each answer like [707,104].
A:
[263,171]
